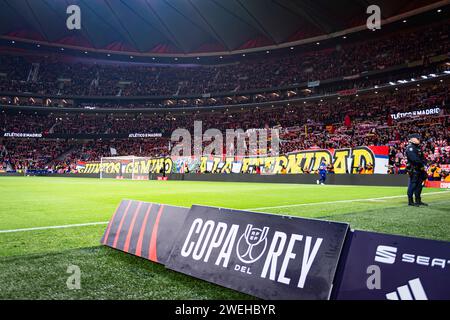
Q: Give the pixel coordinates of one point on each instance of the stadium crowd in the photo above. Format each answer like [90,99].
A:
[338,123]
[375,108]
[57,75]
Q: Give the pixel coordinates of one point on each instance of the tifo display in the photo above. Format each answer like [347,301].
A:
[351,160]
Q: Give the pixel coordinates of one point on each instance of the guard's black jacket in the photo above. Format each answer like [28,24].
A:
[416,159]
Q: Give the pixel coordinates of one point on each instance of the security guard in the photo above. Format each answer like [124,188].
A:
[416,170]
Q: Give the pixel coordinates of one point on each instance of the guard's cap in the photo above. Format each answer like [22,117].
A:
[415,135]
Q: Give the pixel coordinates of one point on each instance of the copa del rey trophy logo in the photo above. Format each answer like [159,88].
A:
[251,246]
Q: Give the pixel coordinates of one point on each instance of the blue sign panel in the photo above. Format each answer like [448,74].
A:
[381,266]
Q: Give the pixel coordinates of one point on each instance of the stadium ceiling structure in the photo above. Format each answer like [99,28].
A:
[190,27]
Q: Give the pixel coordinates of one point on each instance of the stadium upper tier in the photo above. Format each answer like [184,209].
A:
[373,106]
[65,76]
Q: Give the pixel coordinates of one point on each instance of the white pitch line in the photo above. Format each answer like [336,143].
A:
[252,209]
[340,201]
[55,227]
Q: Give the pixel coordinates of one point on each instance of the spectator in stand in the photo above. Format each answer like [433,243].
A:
[101,79]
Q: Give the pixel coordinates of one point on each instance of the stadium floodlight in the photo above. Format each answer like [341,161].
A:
[433,75]
[424,77]
[392,83]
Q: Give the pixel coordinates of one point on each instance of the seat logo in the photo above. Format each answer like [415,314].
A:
[386,254]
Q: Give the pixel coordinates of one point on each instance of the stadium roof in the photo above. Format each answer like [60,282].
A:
[192,27]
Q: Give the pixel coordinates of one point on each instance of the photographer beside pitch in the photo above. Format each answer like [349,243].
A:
[416,170]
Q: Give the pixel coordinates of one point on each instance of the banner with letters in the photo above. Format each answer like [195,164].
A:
[377,266]
[346,160]
[117,167]
[417,113]
[268,256]
[437,184]
[46,135]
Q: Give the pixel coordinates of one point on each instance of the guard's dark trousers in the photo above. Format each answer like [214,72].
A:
[415,187]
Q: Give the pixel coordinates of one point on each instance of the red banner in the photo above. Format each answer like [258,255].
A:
[437,184]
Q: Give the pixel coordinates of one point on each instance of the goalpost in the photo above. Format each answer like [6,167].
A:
[125,167]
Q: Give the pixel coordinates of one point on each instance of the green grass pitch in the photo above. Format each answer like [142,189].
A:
[33,263]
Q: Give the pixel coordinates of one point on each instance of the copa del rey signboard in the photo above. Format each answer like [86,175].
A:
[267,256]
[279,257]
